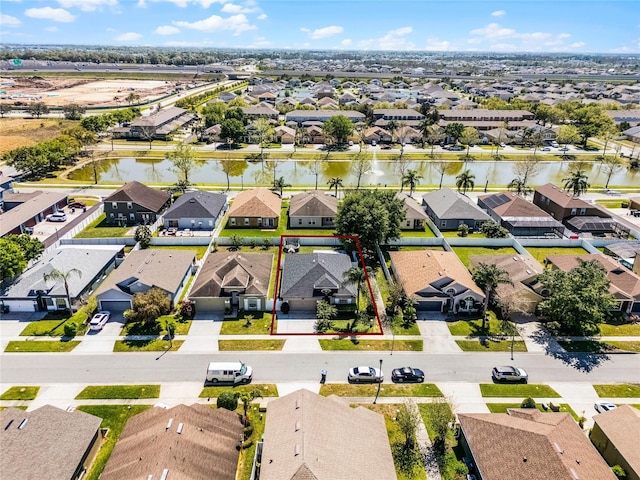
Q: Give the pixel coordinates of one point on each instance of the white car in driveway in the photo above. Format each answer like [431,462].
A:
[602,407]
[57,217]
[99,320]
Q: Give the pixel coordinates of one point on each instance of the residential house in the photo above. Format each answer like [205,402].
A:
[625,284]
[48,443]
[376,134]
[406,116]
[615,435]
[322,438]
[309,277]
[196,210]
[255,208]
[232,280]
[6,182]
[524,444]
[285,135]
[142,270]
[31,293]
[523,271]
[312,209]
[520,217]
[449,209]
[632,116]
[300,116]
[134,203]
[253,113]
[484,120]
[415,217]
[634,203]
[314,135]
[194,442]
[159,125]
[25,210]
[632,134]
[438,281]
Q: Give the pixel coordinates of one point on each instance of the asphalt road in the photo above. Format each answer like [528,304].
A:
[274,367]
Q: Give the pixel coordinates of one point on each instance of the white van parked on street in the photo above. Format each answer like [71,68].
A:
[229,372]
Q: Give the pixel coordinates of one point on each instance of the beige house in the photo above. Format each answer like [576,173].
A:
[313,209]
[308,436]
[615,434]
[415,216]
[285,135]
[255,208]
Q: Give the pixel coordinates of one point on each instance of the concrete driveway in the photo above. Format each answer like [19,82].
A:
[101,341]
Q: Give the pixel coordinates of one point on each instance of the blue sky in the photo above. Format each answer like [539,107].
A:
[611,26]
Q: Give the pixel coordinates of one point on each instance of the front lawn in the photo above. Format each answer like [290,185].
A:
[621,329]
[613,202]
[355,343]
[238,345]
[624,390]
[20,393]
[266,390]
[490,345]
[540,253]
[259,326]
[157,345]
[517,390]
[103,392]
[464,253]
[406,329]
[595,346]
[41,346]
[52,325]
[386,390]
[99,229]
[257,420]
[503,407]
[114,417]
[473,327]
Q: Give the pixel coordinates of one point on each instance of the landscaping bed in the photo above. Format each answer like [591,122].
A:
[20,393]
[266,390]
[41,346]
[157,345]
[491,345]
[386,390]
[104,392]
[354,343]
[521,390]
[503,407]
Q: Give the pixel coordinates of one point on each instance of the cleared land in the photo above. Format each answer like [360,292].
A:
[25,132]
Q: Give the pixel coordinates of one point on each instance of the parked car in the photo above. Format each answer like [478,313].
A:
[385,147]
[602,407]
[57,217]
[509,374]
[77,205]
[456,149]
[99,320]
[407,374]
[365,375]
[502,144]
[546,149]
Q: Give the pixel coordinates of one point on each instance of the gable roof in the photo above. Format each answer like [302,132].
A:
[159,118]
[251,271]
[448,204]
[206,447]
[257,202]
[140,194]
[51,444]
[311,437]
[621,427]
[305,272]
[527,444]
[197,205]
[511,205]
[314,203]
[562,197]
[522,269]
[412,208]
[32,205]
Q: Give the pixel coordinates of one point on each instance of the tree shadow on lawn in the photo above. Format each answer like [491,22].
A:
[582,361]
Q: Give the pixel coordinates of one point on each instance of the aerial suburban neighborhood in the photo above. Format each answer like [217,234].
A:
[287,260]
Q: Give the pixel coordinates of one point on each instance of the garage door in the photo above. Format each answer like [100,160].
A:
[430,306]
[114,306]
[21,305]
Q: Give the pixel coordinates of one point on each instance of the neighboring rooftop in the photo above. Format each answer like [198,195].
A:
[32,206]
[314,203]
[140,194]
[449,204]
[257,202]
[622,428]
[562,197]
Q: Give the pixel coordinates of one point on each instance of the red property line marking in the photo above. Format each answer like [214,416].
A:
[366,275]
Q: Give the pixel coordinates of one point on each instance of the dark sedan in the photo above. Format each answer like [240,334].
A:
[407,375]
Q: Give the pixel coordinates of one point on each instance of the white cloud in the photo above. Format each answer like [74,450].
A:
[346,42]
[326,32]
[87,5]
[400,31]
[184,3]
[110,30]
[305,29]
[128,37]
[498,13]
[9,21]
[262,16]
[52,29]
[141,4]
[577,44]
[438,45]
[166,30]
[248,7]
[236,23]
[493,30]
[260,42]
[393,40]
[48,13]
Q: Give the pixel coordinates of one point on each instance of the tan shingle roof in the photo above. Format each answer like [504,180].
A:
[258,202]
[314,203]
[522,270]
[514,206]
[310,437]
[622,428]
[205,449]
[531,445]
[561,197]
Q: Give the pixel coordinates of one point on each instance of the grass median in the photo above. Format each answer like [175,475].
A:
[20,393]
[265,389]
[240,345]
[41,346]
[157,345]
[355,343]
[386,390]
[624,390]
[503,407]
[108,392]
[491,345]
[521,390]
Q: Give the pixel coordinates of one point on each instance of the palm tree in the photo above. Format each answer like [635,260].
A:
[246,399]
[488,277]
[465,181]
[411,178]
[577,182]
[57,275]
[280,184]
[392,126]
[519,186]
[423,128]
[356,276]
[335,182]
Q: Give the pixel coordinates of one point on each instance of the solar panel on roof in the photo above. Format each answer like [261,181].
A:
[496,200]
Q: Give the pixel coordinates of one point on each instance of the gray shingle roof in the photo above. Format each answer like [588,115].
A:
[140,194]
[306,272]
[28,209]
[314,203]
[448,204]
[197,205]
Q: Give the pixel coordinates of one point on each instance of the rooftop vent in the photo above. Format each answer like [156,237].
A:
[298,405]
[169,424]
[180,427]
[296,450]
[297,426]
[557,447]
[23,423]
[165,474]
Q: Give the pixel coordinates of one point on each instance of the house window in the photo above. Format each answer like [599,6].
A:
[132,216]
[232,221]
[573,211]
[443,223]
[583,211]
[129,205]
[114,205]
[246,221]
[211,223]
[299,221]
[111,215]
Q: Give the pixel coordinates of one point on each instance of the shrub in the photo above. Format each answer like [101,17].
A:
[463,230]
[236,242]
[143,236]
[185,309]
[528,403]
[70,329]
[493,230]
[619,472]
[228,400]
[248,431]
[254,242]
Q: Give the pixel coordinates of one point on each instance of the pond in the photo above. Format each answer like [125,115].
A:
[298,172]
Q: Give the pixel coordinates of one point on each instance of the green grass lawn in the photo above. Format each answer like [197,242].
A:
[635,405]
[540,253]
[245,462]
[266,389]
[51,328]
[517,390]
[199,249]
[489,345]
[366,344]
[103,392]
[473,327]
[41,346]
[386,390]
[426,233]
[99,229]
[20,393]
[454,233]
[619,329]
[613,203]
[259,326]
[406,329]
[157,345]
[157,328]
[238,345]
[594,346]
[624,390]
[464,253]
[503,407]
[114,417]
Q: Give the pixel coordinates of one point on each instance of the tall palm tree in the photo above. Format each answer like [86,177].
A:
[423,128]
[465,181]
[519,186]
[356,276]
[56,275]
[411,178]
[280,184]
[335,182]
[488,277]
[578,182]
[392,126]
[246,399]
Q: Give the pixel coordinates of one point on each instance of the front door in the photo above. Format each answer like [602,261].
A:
[234,299]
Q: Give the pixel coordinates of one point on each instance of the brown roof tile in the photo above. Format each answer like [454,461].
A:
[561,197]
[258,202]
[314,203]
[140,194]
[622,428]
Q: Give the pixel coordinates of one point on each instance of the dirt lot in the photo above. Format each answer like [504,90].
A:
[24,132]
[57,92]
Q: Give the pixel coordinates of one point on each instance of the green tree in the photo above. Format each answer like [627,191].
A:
[12,261]
[528,403]
[361,163]
[408,418]
[577,182]
[577,300]
[392,127]
[591,120]
[525,169]
[228,400]
[232,130]
[143,236]
[264,130]
[56,275]
[493,230]
[246,399]
[488,277]
[465,181]
[470,136]
[411,178]
[325,313]
[338,128]
[315,166]
[567,134]
[434,135]
[232,168]
[132,98]
[518,186]
[611,166]
[37,109]
[279,185]
[184,161]
[150,305]
[439,416]
[73,111]
[335,182]
[454,130]
[463,230]
[4,109]
[31,247]
[32,161]
[356,276]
